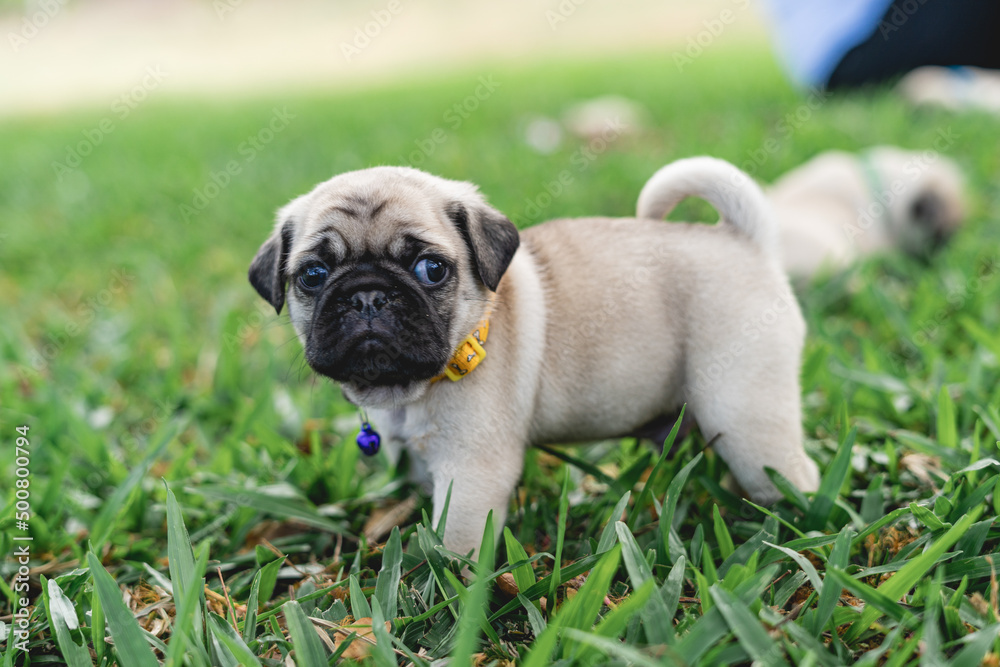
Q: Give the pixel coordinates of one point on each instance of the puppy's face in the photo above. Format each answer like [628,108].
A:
[384,271]
[925,195]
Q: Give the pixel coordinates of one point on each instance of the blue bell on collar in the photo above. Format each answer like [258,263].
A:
[368,438]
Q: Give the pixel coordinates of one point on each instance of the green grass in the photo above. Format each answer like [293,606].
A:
[142,361]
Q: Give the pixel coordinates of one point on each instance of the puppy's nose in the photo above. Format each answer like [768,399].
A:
[368,303]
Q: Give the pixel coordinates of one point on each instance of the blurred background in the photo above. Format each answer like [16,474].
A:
[80,52]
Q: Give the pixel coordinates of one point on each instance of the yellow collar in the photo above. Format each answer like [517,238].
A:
[470,353]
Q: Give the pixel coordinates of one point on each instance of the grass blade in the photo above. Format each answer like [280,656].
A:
[308,648]
[726,546]
[232,641]
[976,647]
[387,584]
[560,537]
[743,553]
[190,607]
[382,651]
[534,616]
[702,635]
[187,582]
[250,621]
[672,587]
[130,643]
[655,614]
[706,632]
[118,504]
[830,595]
[541,650]
[274,505]
[803,563]
[635,563]
[833,479]
[581,610]
[473,613]
[608,534]
[613,648]
[62,618]
[871,596]
[654,474]
[524,576]
[577,612]
[670,503]
[747,628]
[98,626]
[359,603]
[615,621]
[947,430]
[180,553]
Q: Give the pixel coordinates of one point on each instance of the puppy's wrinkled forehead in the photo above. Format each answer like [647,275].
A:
[374,213]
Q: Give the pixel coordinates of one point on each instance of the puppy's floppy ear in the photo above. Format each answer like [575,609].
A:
[269,268]
[491,237]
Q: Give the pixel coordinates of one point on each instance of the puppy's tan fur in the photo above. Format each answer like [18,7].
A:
[840,207]
[597,327]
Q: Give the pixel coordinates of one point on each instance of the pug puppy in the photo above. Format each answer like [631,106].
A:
[571,330]
[840,207]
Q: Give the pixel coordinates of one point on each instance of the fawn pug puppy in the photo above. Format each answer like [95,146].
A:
[400,283]
[839,207]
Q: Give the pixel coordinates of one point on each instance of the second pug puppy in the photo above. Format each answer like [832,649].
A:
[839,207]
[400,283]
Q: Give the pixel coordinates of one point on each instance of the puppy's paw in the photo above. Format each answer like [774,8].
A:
[803,474]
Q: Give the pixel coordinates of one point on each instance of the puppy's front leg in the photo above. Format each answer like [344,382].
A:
[482,478]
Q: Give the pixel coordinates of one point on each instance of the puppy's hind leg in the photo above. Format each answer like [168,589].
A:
[756,421]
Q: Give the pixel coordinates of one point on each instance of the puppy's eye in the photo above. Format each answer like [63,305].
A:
[430,271]
[313,277]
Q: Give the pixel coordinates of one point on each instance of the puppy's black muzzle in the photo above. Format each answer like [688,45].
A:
[376,331]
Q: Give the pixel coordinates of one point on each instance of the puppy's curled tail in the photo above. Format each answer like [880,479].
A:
[738,199]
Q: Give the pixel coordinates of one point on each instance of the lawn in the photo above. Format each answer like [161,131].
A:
[176,439]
